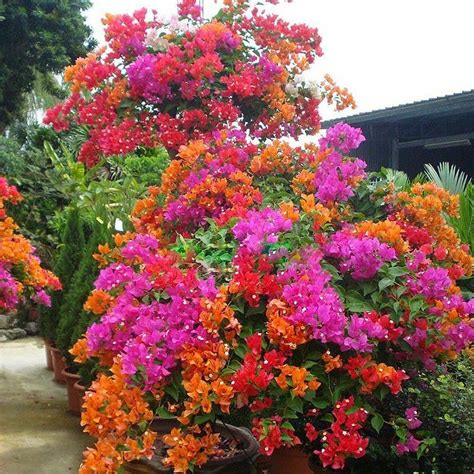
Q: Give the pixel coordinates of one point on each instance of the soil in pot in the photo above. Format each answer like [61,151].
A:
[49,357]
[241,450]
[58,365]
[290,460]
[74,397]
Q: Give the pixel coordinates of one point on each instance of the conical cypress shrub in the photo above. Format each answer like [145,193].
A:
[71,312]
[66,264]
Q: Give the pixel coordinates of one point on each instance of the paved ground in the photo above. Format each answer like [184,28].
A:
[37,435]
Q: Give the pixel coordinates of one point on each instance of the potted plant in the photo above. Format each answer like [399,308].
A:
[22,279]
[67,261]
[274,287]
[306,316]
[71,323]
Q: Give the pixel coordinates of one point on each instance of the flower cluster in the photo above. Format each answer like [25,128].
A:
[259,228]
[359,255]
[166,83]
[344,440]
[410,444]
[119,418]
[21,275]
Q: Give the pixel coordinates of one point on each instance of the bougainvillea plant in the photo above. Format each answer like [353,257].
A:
[163,83]
[21,275]
[281,283]
[254,285]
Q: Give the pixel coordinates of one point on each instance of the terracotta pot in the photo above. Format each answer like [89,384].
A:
[58,365]
[81,391]
[74,397]
[49,357]
[316,467]
[240,463]
[290,460]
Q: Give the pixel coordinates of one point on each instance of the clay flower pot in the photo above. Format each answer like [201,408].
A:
[58,365]
[49,357]
[81,391]
[74,397]
[290,460]
[316,468]
[239,463]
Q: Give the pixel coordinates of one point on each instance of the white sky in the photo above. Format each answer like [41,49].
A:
[387,52]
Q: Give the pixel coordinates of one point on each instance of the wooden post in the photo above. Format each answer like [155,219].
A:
[395,159]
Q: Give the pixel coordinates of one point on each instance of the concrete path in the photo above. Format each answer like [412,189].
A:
[37,435]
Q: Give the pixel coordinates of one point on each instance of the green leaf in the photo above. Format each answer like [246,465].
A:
[164,413]
[382,391]
[320,403]
[289,414]
[400,291]
[416,304]
[259,310]
[377,422]
[314,355]
[385,282]
[447,176]
[356,303]
[296,404]
[204,418]
[401,433]
[241,351]
[397,271]
[172,391]
[327,417]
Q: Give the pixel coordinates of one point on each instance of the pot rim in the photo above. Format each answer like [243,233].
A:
[248,453]
[70,375]
[79,386]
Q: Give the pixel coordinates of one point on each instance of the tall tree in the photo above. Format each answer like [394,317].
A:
[37,37]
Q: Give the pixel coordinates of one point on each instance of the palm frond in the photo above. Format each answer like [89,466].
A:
[447,176]
[399,178]
[464,224]
[75,138]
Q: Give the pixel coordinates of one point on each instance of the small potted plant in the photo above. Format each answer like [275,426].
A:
[22,279]
[65,265]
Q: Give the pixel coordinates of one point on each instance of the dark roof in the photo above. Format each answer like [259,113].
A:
[455,104]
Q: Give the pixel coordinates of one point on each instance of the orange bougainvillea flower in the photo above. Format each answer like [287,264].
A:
[289,211]
[386,231]
[195,446]
[79,351]
[281,332]
[98,302]
[425,206]
[298,379]
[111,411]
[331,363]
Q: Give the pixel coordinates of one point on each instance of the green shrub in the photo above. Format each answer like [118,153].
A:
[26,166]
[445,402]
[66,264]
[147,168]
[73,320]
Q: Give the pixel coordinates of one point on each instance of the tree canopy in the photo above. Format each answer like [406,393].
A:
[37,37]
